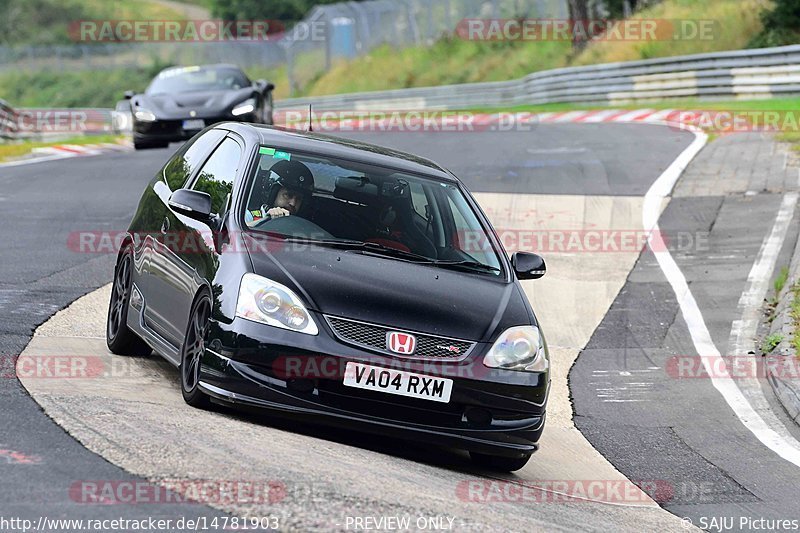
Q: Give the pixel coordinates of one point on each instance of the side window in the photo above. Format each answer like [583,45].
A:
[188,158]
[217,175]
[418,199]
[458,218]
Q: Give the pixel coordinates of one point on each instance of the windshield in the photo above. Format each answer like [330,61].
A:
[190,79]
[301,196]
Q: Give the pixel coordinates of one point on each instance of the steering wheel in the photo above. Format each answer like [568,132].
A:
[294,226]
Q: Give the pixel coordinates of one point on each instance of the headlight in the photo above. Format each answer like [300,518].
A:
[143,115]
[518,348]
[248,106]
[263,300]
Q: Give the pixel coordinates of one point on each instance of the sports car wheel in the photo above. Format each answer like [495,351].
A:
[119,338]
[192,353]
[496,462]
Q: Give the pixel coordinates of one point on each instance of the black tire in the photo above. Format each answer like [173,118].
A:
[145,145]
[119,338]
[192,351]
[499,463]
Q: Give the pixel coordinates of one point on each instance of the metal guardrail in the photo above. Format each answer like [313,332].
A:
[44,123]
[8,120]
[757,73]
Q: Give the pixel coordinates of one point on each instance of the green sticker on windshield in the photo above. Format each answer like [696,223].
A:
[282,155]
[266,151]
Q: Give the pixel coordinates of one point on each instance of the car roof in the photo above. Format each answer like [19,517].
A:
[334,146]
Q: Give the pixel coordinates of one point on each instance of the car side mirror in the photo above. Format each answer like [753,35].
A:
[528,265]
[128,94]
[193,204]
[264,86]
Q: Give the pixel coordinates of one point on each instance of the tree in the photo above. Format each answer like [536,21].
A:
[284,10]
[578,12]
[781,25]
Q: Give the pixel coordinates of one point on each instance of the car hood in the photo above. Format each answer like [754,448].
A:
[393,292]
[205,104]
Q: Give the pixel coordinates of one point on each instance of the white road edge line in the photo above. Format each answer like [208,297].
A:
[743,330]
[37,160]
[701,338]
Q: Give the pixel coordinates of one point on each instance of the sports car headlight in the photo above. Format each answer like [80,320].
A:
[248,106]
[143,115]
[518,348]
[263,300]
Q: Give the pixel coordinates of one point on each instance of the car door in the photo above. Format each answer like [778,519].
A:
[160,281]
[194,261]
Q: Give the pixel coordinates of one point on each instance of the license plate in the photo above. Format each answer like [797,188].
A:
[397,382]
[194,124]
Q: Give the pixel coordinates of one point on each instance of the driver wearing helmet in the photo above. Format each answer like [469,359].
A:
[288,189]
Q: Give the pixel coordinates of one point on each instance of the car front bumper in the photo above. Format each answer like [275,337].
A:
[490,411]
[172,130]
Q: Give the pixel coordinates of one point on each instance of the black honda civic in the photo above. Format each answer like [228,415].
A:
[181,101]
[335,282]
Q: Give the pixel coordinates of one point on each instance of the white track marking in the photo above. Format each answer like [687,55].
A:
[661,115]
[628,117]
[37,160]
[570,116]
[691,312]
[743,331]
[600,116]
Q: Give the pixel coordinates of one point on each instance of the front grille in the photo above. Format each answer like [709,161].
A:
[373,337]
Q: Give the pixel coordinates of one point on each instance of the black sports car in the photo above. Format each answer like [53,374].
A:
[181,101]
[338,282]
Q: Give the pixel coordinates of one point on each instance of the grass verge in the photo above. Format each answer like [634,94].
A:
[455,60]
[772,104]
[770,342]
[449,60]
[780,280]
[37,22]
[19,149]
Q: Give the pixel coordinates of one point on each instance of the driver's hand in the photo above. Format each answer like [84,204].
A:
[276,212]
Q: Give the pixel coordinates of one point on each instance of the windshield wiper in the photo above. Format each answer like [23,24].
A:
[467,265]
[374,247]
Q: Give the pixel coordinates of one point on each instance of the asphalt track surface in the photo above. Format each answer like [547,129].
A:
[653,421]
[45,202]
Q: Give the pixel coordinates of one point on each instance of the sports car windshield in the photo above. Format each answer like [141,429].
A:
[368,209]
[189,79]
